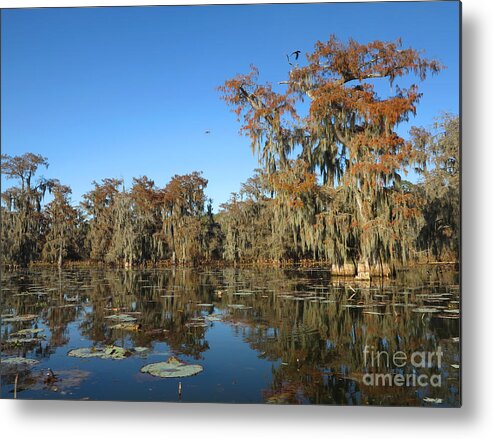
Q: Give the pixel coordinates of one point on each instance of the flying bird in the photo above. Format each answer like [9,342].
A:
[296,55]
[207,132]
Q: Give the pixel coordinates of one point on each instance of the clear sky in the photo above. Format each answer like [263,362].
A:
[125,92]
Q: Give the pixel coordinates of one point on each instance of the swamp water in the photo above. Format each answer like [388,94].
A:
[292,336]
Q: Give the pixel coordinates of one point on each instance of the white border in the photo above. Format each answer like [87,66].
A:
[47,419]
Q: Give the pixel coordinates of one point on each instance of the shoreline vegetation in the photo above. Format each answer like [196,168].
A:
[348,271]
[330,189]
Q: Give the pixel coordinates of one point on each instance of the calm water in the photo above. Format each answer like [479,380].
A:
[291,335]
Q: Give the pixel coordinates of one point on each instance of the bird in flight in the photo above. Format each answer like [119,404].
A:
[296,55]
[207,132]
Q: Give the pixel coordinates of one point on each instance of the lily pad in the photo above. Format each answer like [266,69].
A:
[173,368]
[448,316]
[141,350]
[18,361]
[19,319]
[426,310]
[214,317]
[106,353]
[13,364]
[126,326]
[197,324]
[25,332]
[121,318]
[239,306]
[22,340]
[375,313]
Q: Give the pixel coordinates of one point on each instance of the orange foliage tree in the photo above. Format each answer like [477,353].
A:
[346,137]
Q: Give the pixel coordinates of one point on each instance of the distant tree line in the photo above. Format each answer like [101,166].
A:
[144,224]
[329,188]
[277,218]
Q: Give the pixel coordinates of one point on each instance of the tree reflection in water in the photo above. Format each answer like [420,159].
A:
[310,327]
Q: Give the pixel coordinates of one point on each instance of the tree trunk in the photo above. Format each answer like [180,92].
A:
[363,270]
[343,270]
[60,254]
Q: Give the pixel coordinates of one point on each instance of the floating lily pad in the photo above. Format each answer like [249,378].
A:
[29,331]
[13,364]
[106,353]
[126,326]
[65,380]
[196,325]
[173,368]
[426,310]
[448,316]
[375,313]
[214,317]
[22,340]
[156,331]
[18,361]
[239,306]
[205,305]
[19,319]
[121,318]
[140,350]
[197,319]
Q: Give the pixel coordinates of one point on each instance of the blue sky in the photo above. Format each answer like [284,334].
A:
[124,92]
